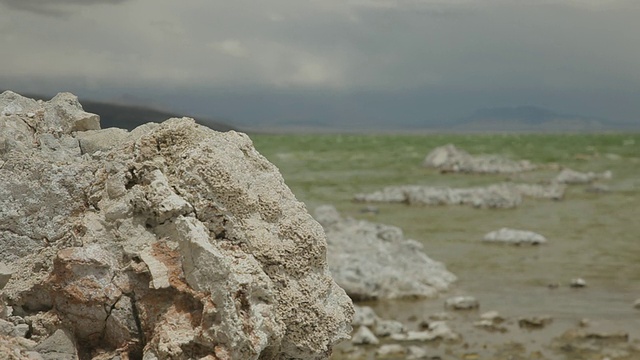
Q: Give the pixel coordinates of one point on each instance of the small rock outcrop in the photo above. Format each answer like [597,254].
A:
[515,237]
[375,261]
[498,196]
[386,330]
[449,158]
[171,241]
[494,196]
[577,283]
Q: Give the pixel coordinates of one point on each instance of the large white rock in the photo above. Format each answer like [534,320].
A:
[375,261]
[171,241]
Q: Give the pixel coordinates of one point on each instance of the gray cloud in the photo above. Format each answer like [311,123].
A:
[53,8]
[487,50]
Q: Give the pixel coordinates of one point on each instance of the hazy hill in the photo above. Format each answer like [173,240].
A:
[529,119]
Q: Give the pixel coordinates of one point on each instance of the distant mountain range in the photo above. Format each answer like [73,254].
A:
[334,115]
[131,116]
[496,119]
[530,119]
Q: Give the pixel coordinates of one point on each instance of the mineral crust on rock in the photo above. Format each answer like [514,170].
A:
[375,261]
[171,241]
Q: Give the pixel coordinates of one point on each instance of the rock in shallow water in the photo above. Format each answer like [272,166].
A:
[174,241]
[515,237]
[375,261]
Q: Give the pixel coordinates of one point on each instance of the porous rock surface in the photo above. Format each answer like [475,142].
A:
[374,261]
[172,241]
[449,158]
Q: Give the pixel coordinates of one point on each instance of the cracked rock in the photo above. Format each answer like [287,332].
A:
[169,241]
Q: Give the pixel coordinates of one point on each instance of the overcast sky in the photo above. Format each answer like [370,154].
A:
[252,61]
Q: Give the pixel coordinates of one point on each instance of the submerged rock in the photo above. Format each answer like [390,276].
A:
[516,237]
[535,322]
[388,350]
[375,261]
[449,158]
[569,176]
[595,339]
[170,241]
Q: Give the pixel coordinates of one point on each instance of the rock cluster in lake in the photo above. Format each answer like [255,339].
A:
[169,241]
[504,195]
